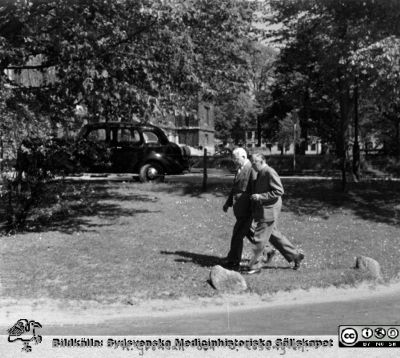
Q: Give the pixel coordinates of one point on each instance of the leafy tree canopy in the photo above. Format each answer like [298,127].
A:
[125,57]
[329,49]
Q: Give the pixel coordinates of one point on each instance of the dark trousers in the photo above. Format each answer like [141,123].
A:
[267,234]
[241,230]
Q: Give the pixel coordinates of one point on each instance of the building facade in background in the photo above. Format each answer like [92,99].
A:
[195,130]
[314,146]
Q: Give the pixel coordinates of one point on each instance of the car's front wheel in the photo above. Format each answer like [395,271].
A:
[151,172]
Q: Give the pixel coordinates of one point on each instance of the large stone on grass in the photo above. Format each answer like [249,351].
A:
[369,265]
[227,280]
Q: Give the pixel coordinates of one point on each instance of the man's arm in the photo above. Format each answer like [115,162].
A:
[251,181]
[229,201]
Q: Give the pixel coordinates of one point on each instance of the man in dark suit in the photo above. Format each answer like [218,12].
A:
[239,199]
[266,206]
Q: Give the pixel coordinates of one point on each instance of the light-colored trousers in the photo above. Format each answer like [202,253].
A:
[267,237]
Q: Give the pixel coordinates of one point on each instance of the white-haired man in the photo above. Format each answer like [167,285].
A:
[266,206]
[239,199]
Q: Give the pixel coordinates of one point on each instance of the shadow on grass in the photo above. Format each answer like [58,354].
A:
[270,266]
[377,201]
[372,201]
[198,259]
[81,203]
[101,192]
[194,189]
[82,207]
[210,261]
[81,222]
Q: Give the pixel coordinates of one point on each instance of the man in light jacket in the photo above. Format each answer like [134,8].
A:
[266,206]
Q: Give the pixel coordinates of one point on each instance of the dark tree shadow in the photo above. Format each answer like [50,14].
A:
[377,201]
[374,201]
[218,188]
[76,222]
[72,207]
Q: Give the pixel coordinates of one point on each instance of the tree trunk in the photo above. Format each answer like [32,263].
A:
[398,138]
[1,152]
[344,99]
[356,145]
[304,124]
[342,152]
[304,136]
[258,131]
[205,164]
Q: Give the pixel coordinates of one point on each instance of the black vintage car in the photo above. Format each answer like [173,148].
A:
[143,149]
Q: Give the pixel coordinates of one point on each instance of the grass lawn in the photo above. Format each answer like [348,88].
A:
[123,242]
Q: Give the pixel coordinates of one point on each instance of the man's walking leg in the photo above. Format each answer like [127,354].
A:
[285,247]
[262,234]
[240,230]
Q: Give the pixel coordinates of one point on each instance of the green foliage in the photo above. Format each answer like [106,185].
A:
[330,50]
[86,153]
[287,132]
[238,111]
[129,57]
[17,121]
[380,65]
[235,115]
[47,157]
[38,161]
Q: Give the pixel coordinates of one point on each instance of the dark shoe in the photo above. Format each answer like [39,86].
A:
[252,271]
[297,261]
[270,255]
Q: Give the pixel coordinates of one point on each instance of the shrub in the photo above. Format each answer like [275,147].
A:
[39,160]
[37,163]
[90,154]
